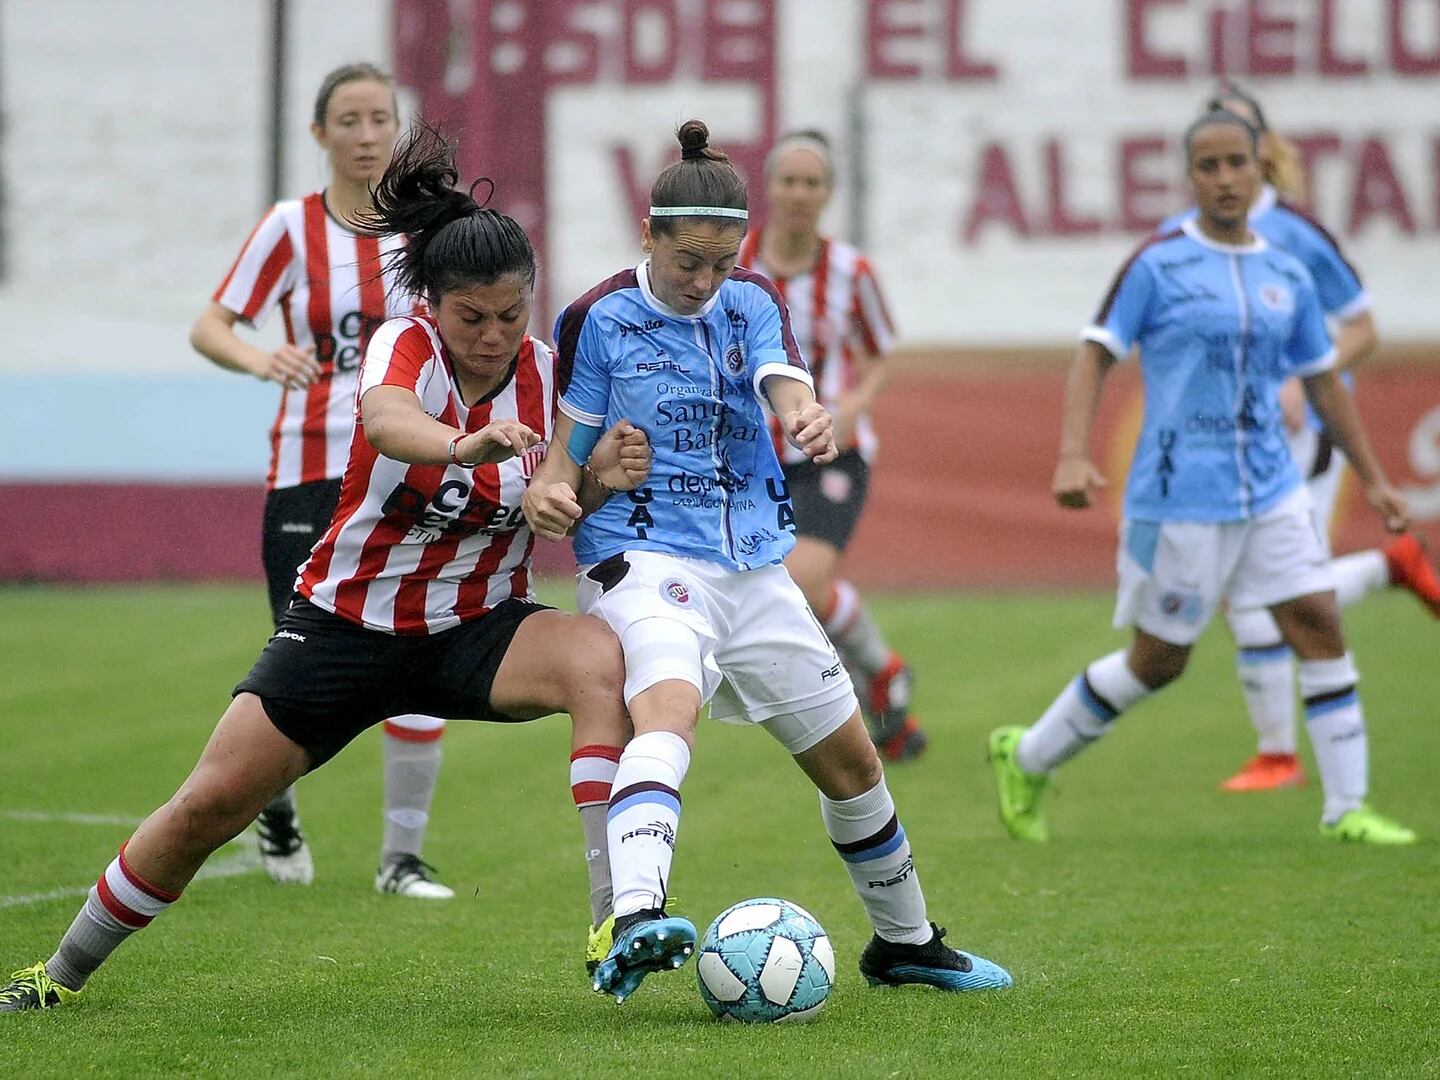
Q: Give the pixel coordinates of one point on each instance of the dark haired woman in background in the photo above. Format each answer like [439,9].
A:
[844,331]
[687,570]
[417,597]
[333,291]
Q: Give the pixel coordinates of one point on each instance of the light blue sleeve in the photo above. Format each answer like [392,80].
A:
[770,346]
[1125,311]
[583,378]
[1309,349]
[1338,286]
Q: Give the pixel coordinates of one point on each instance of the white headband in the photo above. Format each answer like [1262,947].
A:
[699,211]
[800,142]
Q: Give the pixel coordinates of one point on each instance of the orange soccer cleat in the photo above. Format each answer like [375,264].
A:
[1410,568]
[1267,772]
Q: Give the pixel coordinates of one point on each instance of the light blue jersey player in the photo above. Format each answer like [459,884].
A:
[1265,664]
[687,570]
[1215,509]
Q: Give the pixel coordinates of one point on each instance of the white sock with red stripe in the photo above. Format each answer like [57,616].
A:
[412,765]
[859,641]
[592,774]
[120,903]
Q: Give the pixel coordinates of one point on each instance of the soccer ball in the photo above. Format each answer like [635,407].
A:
[763,961]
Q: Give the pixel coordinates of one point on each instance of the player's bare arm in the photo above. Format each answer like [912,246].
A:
[808,424]
[1076,476]
[213,337]
[1336,407]
[397,426]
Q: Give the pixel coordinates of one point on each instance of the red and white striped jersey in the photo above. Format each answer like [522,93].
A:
[332,292]
[415,549]
[837,314]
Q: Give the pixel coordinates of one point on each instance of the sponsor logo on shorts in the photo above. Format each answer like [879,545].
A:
[289,634]
[735,358]
[836,485]
[297,527]
[831,672]
[675,591]
[1187,607]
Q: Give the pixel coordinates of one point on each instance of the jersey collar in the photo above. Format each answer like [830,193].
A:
[1265,202]
[642,275]
[1191,228]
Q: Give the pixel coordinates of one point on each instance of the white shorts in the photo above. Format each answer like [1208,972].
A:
[1306,451]
[754,650]
[1173,574]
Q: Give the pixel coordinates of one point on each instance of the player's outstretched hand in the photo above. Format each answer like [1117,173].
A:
[290,367]
[621,458]
[1075,479]
[551,509]
[497,441]
[811,429]
[1391,507]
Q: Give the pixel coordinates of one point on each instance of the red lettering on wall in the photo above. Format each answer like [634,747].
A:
[1314,148]
[1142,61]
[887,22]
[996,196]
[959,65]
[1269,41]
[1330,62]
[1060,221]
[1403,60]
[1377,190]
[739,37]
[635,15]
[1142,197]
[636,187]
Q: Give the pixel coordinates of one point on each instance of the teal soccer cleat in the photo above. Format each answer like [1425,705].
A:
[644,942]
[885,963]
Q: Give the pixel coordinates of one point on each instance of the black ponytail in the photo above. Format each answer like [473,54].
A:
[453,241]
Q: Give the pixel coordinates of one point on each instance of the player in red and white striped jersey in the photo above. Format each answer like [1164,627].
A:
[844,331]
[332,291]
[418,595]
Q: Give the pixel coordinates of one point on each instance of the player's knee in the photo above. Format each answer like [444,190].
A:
[597,664]
[1158,668]
[208,811]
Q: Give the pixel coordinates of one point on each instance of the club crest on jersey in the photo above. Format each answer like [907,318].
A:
[675,591]
[1277,298]
[530,460]
[735,358]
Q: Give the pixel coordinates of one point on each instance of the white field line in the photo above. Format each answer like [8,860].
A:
[244,860]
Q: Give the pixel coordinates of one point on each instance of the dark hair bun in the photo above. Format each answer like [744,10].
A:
[694,139]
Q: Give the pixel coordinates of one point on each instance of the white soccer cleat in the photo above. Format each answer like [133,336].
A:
[409,875]
[283,851]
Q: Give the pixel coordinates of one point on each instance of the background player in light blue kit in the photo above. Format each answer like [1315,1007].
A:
[1265,663]
[686,569]
[1214,508]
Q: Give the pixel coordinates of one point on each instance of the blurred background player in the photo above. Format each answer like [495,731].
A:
[333,291]
[1215,509]
[421,602]
[1266,664]
[695,588]
[844,332]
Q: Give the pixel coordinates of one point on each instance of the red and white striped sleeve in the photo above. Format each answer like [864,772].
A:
[871,317]
[265,270]
[397,355]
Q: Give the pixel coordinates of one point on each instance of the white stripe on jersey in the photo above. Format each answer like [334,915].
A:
[332,292]
[452,543]
[838,315]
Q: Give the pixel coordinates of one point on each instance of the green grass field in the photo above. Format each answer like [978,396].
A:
[1167,929]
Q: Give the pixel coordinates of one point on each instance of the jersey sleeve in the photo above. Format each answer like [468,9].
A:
[396,356]
[583,370]
[1341,294]
[1309,349]
[264,271]
[1124,311]
[871,316]
[770,347]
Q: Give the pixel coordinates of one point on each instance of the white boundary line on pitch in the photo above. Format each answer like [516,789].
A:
[244,861]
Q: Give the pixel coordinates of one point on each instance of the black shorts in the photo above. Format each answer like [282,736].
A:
[323,679]
[828,499]
[295,518]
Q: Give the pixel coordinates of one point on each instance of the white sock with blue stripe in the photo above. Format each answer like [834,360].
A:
[1266,667]
[1337,733]
[643,818]
[871,841]
[1081,714]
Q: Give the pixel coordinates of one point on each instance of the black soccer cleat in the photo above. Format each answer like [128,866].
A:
[886,963]
[32,988]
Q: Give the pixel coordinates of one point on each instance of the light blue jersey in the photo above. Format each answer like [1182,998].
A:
[1342,296]
[693,385]
[1220,327]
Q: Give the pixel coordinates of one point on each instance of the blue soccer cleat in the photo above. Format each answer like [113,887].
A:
[885,963]
[644,942]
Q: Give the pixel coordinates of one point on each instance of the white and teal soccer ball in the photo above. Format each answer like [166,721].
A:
[763,961]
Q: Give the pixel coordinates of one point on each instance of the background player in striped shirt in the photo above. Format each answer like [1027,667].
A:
[1215,509]
[331,289]
[687,570]
[844,331]
[1266,665]
[418,595]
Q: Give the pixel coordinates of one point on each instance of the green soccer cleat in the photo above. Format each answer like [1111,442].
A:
[1365,826]
[1019,791]
[597,945]
[32,988]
